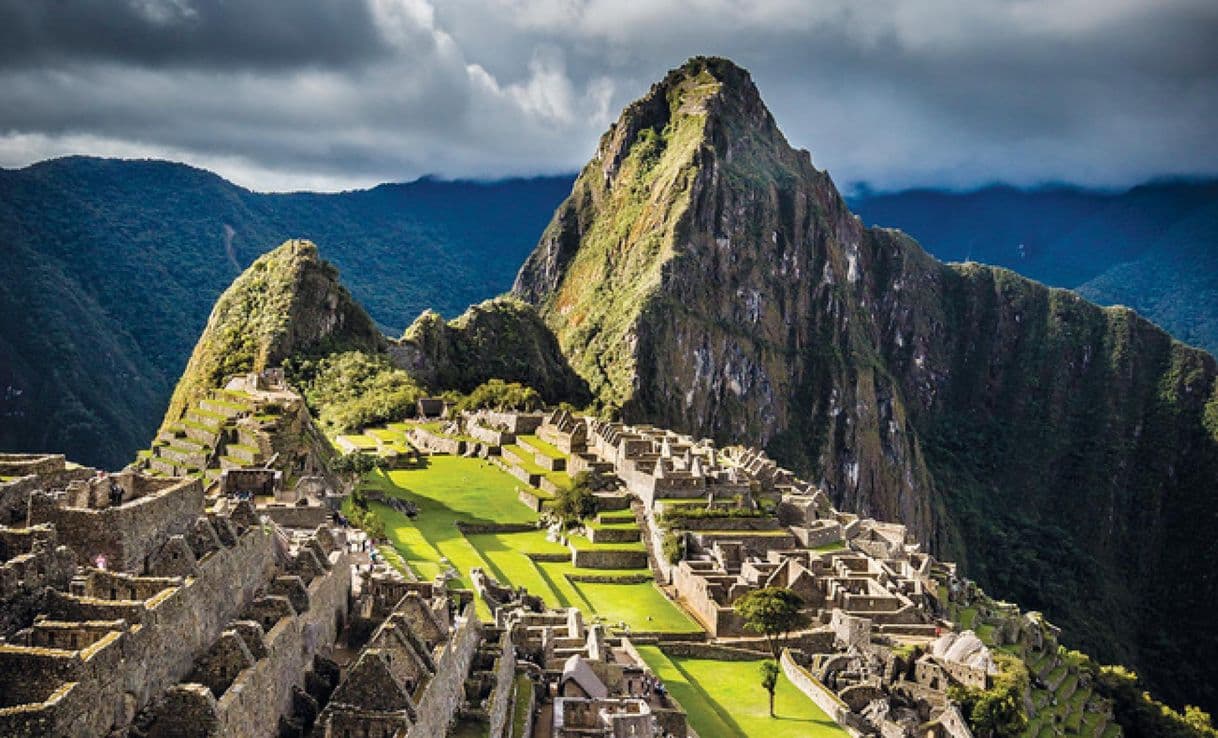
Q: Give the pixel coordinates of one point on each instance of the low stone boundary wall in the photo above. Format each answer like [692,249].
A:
[610,502]
[531,500]
[475,528]
[552,558]
[577,463]
[488,436]
[530,479]
[610,578]
[693,524]
[821,696]
[425,440]
[589,558]
[548,486]
[613,535]
[711,651]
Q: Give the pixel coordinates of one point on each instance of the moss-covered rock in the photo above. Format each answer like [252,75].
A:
[288,302]
[496,339]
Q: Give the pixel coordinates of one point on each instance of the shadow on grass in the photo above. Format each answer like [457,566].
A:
[714,705]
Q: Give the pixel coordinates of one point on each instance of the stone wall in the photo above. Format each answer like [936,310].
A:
[446,691]
[115,678]
[488,436]
[296,516]
[252,703]
[19,465]
[15,499]
[519,423]
[429,442]
[32,560]
[127,534]
[505,687]
[592,558]
[821,696]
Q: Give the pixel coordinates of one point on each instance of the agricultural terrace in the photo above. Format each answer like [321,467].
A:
[725,699]
[448,489]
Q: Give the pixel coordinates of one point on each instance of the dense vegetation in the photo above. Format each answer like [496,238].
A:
[288,303]
[1153,248]
[496,394]
[502,339]
[111,268]
[354,389]
[998,711]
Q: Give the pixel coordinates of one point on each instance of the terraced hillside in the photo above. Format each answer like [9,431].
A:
[479,513]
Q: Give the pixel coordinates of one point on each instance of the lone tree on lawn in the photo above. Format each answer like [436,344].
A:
[575,503]
[772,611]
[769,680]
[356,464]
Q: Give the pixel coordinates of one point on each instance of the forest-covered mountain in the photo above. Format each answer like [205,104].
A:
[1153,248]
[703,275]
[111,268]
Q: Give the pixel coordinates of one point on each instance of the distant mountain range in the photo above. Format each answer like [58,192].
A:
[111,268]
[113,265]
[1153,248]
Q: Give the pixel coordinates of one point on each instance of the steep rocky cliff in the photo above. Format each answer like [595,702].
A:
[288,302]
[705,275]
[496,339]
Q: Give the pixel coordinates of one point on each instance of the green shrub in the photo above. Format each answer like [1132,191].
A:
[1139,714]
[673,546]
[575,503]
[496,394]
[353,390]
[997,712]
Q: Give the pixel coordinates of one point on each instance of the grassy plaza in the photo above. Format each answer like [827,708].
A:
[449,489]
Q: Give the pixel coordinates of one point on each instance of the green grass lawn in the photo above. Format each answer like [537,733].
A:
[362,442]
[526,462]
[452,488]
[541,446]
[725,698]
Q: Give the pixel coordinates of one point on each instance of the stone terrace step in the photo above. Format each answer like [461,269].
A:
[183,457]
[162,466]
[201,434]
[224,407]
[244,454]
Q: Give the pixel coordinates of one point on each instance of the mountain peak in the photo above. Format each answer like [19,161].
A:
[288,301]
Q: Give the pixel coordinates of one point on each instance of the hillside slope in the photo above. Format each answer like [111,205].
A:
[704,275]
[112,267]
[1153,248]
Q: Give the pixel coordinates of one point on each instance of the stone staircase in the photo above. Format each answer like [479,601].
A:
[207,439]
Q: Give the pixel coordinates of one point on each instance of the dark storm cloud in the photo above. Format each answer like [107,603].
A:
[318,93]
[214,33]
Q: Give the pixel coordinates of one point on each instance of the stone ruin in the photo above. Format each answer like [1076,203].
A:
[134,604]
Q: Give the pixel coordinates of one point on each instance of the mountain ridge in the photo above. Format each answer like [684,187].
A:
[115,265]
[975,405]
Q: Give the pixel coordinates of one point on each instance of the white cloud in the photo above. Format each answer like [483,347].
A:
[941,92]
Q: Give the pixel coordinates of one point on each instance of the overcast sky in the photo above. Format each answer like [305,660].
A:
[336,94]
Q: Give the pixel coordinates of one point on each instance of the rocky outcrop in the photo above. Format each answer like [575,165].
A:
[288,302]
[496,339]
[704,275]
